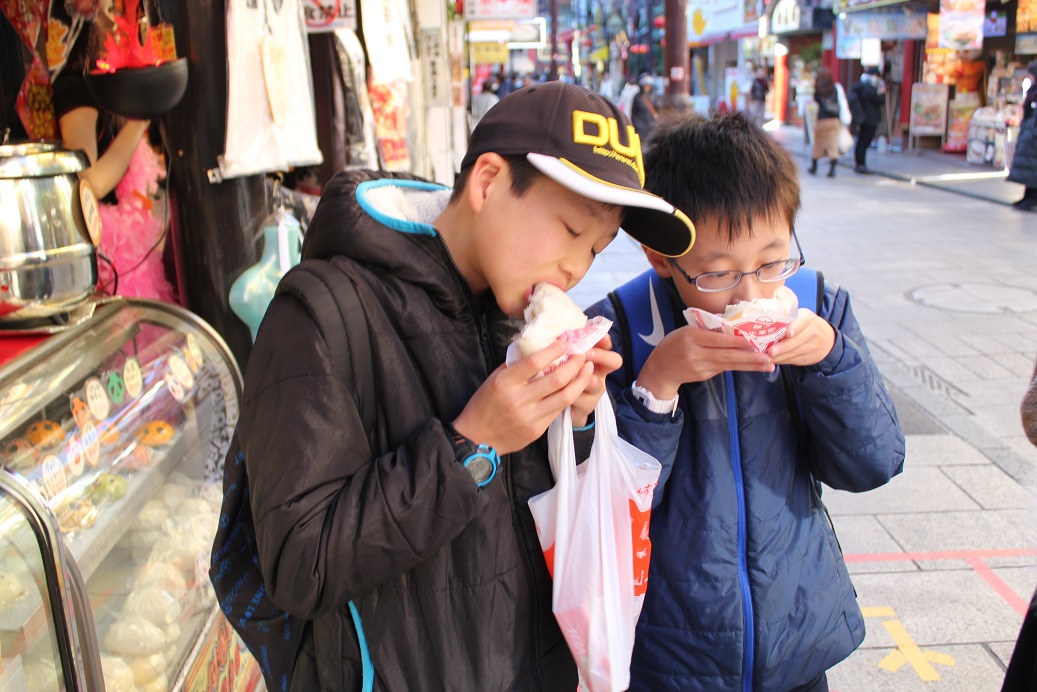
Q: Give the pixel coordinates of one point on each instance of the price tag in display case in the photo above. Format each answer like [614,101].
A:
[97,398]
[91,444]
[53,477]
[75,455]
[180,371]
[175,388]
[133,377]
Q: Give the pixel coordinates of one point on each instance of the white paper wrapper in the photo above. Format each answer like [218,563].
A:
[761,328]
[576,341]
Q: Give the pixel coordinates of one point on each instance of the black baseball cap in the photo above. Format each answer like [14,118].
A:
[585,143]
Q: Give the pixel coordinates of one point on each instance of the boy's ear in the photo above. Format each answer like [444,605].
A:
[660,263]
[486,170]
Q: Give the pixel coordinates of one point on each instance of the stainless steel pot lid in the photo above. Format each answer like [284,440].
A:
[39,160]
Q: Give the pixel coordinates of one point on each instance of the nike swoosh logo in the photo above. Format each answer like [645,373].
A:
[658,332]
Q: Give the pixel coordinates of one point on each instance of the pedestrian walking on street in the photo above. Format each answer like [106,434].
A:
[833,116]
[403,552]
[1024,163]
[642,111]
[747,588]
[870,92]
[757,105]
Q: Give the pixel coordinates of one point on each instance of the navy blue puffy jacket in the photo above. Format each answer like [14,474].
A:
[743,538]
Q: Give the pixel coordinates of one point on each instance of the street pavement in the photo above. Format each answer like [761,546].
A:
[944,557]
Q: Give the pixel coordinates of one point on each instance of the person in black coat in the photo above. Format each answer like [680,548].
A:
[871,91]
[1024,163]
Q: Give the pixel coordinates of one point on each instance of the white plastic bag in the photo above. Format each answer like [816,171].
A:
[593,528]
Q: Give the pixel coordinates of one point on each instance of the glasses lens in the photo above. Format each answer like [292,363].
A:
[776,271]
[714,282]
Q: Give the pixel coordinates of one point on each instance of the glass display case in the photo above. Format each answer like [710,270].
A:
[112,438]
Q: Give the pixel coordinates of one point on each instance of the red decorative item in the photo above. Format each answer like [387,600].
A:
[123,47]
[26,16]
[659,22]
[35,103]
[134,70]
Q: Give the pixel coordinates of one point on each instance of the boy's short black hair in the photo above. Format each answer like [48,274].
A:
[523,173]
[722,167]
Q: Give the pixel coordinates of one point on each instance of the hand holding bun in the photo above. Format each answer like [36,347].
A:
[550,313]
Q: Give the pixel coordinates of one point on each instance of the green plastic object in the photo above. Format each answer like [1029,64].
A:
[251,293]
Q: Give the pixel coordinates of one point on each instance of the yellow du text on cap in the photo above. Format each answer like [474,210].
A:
[607,133]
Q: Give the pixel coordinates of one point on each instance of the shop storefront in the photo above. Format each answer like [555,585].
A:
[953,71]
[113,413]
[798,28]
[723,40]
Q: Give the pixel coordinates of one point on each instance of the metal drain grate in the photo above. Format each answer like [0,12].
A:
[935,383]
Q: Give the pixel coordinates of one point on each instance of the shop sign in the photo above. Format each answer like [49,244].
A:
[433,64]
[888,23]
[786,17]
[1026,17]
[489,53]
[1026,44]
[499,9]
[847,47]
[961,24]
[329,15]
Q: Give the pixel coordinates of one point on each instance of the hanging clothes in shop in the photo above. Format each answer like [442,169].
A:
[270,115]
[359,117]
[392,57]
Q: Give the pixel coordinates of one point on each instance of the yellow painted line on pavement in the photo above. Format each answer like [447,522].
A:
[879,612]
[907,652]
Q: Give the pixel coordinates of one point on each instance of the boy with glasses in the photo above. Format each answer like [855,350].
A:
[747,589]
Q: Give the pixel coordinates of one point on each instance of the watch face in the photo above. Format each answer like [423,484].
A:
[480,466]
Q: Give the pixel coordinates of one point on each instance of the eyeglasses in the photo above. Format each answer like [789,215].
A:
[772,272]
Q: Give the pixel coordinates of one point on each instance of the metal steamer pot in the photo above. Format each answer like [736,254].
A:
[48,262]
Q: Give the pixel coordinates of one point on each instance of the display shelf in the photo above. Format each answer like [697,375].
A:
[144,394]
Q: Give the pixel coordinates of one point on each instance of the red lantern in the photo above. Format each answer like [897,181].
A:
[659,22]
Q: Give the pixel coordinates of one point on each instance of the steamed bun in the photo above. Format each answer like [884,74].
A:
[550,313]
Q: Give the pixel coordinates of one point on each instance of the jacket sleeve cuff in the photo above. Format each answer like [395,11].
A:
[830,363]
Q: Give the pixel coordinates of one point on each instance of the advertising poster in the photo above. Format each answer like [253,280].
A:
[928,110]
[961,24]
[958,118]
[1026,17]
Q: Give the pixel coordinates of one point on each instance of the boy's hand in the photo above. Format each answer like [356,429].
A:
[690,354]
[808,340]
[605,361]
[513,407]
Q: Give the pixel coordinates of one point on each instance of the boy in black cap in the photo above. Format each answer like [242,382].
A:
[429,535]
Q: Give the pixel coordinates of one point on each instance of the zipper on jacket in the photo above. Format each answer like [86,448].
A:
[487,353]
[748,630]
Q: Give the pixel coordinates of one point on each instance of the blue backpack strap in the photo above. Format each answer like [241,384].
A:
[645,315]
[809,287]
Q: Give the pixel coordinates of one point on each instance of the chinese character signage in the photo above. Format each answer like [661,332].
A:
[329,15]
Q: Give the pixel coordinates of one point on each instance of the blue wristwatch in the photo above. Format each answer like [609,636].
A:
[480,460]
[482,464]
